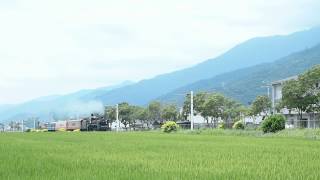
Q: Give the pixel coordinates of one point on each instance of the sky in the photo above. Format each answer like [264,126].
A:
[60,46]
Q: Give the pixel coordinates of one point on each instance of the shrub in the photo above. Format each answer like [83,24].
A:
[62,130]
[169,126]
[222,125]
[238,125]
[76,130]
[273,124]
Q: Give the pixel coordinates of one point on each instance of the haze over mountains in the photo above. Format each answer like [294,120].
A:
[238,70]
[77,103]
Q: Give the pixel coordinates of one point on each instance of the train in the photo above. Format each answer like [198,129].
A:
[94,123]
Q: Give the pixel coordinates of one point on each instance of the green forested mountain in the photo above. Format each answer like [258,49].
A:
[245,84]
[246,54]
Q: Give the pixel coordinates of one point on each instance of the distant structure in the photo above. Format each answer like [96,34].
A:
[276,94]
[309,120]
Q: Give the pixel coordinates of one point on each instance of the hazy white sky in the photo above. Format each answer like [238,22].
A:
[59,46]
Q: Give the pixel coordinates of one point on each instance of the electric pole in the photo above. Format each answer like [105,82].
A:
[191,109]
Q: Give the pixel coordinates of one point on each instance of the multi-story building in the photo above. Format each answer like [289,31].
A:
[309,120]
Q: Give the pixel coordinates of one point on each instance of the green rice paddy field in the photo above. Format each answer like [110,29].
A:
[155,155]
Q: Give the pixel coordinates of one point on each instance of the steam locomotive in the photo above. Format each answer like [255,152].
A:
[95,122]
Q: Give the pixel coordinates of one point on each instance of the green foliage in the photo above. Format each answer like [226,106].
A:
[273,124]
[238,125]
[154,111]
[170,126]
[169,112]
[303,93]
[62,130]
[126,114]
[140,113]
[214,106]
[110,113]
[222,125]
[261,104]
[199,100]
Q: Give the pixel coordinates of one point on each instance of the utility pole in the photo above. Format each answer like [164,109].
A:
[191,110]
[34,123]
[117,117]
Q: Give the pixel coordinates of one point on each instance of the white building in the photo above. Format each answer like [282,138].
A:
[309,120]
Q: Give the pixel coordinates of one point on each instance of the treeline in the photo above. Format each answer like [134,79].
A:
[215,108]
[154,113]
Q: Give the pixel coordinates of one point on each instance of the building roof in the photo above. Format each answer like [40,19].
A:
[284,80]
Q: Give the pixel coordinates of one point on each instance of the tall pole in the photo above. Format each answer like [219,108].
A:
[191,109]
[117,117]
[22,128]
[34,123]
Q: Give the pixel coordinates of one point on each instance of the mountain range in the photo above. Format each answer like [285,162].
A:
[250,53]
[238,73]
[77,103]
[245,84]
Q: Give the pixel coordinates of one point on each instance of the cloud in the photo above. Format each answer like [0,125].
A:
[58,46]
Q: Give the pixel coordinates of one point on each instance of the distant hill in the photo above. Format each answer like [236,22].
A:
[249,53]
[252,52]
[58,106]
[245,84]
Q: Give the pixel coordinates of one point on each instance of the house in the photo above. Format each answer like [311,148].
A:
[309,120]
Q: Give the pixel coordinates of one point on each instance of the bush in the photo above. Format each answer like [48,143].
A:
[222,125]
[273,124]
[62,130]
[169,126]
[76,130]
[238,125]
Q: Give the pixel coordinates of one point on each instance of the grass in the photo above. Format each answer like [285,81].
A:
[154,155]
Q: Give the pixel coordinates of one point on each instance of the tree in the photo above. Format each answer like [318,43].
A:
[140,113]
[261,104]
[198,104]
[186,106]
[214,107]
[169,113]
[154,112]
[295,96]
[233,111]
[110,114]
[303,94]
[311,82]
[125,114]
